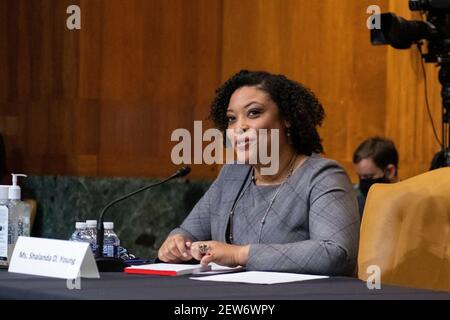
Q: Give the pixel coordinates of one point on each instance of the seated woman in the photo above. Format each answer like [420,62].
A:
[304,218]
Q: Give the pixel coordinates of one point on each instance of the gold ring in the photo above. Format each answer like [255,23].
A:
[203,248]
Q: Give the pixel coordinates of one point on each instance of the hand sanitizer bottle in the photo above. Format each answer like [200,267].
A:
[20,211]
[4,217]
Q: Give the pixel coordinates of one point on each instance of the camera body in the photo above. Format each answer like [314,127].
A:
[401,33]
[425,5]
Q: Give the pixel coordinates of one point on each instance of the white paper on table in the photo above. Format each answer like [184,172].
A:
[218,269]
[260,277]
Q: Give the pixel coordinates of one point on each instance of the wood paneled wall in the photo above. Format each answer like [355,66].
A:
[104,100]
[323,44]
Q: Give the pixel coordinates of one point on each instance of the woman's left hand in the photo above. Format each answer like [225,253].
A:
[221,253]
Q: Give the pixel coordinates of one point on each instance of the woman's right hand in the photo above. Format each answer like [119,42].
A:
[175,249]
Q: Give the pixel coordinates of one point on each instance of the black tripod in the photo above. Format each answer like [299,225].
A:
[442,158]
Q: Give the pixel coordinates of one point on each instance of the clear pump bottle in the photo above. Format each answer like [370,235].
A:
[4,226]
[20,211]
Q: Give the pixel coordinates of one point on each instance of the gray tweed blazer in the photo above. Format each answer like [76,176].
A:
[311,227]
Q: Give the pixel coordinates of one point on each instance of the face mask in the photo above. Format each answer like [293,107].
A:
[365,184]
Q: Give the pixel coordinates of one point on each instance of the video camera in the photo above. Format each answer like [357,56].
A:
[401,33]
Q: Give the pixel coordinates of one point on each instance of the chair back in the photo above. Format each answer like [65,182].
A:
[405,231]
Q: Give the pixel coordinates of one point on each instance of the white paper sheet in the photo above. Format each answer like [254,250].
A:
[260,277]
[218,269]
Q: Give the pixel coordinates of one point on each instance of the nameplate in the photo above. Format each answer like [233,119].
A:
[53,258]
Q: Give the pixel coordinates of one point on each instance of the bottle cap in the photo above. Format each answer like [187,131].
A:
[108,225]
[14,189]
[91,223]
[80,225]
[4,190]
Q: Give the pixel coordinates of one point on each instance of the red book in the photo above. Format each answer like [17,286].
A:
[167,269]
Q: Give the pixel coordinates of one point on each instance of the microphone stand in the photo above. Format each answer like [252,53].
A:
[108,264]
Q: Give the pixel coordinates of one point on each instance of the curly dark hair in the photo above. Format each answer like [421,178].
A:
[296,103]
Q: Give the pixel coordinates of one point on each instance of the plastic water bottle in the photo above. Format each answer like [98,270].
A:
[80,233]
[111,241]
[91,231]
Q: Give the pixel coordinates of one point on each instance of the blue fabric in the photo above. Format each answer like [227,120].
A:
[361,199]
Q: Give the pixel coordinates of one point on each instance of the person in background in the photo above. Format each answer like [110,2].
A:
[375,161]
[303,218]
[438,160]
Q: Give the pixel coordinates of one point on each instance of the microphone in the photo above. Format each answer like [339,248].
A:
[107,264]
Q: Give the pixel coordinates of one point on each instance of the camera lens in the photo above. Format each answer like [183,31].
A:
[418,5]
